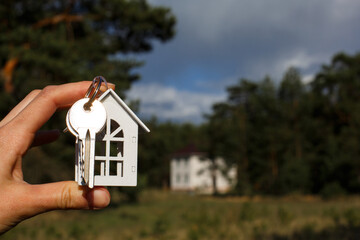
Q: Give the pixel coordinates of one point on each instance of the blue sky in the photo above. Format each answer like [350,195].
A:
[219,42]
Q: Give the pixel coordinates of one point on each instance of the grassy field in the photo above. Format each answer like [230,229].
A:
[164,215]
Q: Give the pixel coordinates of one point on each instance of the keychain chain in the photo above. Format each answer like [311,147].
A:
[92,93]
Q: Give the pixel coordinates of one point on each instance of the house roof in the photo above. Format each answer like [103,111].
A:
[125,107]
[188,150]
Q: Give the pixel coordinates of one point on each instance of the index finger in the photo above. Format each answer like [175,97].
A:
[36,113]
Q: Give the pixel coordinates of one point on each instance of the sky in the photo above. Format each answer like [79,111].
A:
[219,42]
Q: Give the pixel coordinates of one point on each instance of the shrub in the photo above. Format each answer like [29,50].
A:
[332,190]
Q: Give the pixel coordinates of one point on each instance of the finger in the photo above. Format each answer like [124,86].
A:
[66,195]
[19,107]
[42,107]
[24,200]
[102,89]
[110,85]
[45,137]
[38,111]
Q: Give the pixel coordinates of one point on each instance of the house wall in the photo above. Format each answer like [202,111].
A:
[130,128]
[192,174]
[179,177]
[224,184]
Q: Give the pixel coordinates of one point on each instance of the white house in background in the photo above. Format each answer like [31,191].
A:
[190,170]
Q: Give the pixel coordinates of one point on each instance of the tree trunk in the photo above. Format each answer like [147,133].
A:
[7,74]
[213,169]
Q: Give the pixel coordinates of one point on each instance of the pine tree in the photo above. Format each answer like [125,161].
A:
[54,42]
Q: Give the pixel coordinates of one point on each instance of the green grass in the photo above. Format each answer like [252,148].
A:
[164,215]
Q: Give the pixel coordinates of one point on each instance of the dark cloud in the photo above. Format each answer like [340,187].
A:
[218,42]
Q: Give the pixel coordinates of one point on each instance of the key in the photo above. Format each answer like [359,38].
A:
[77,155]
[84,124]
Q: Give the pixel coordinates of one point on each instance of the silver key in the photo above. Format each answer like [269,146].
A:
[84,125]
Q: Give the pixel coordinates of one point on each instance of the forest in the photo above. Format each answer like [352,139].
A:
[289,137]
[285,136]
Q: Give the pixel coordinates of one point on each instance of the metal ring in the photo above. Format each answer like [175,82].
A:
[94,90]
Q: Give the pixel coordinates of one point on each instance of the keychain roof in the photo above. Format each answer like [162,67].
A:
[124,106]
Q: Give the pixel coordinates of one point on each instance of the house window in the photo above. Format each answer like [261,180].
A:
[109,160]
[186,162]
[186,178]
[178,178]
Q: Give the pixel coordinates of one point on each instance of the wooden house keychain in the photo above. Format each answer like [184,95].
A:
[106,132]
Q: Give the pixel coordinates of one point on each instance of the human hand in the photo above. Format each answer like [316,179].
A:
[18,131]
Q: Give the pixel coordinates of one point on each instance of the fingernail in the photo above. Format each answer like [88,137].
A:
[98,198]
[111,85]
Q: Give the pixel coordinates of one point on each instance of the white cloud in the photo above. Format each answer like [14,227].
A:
[300,60]
[170,103]
[308,78]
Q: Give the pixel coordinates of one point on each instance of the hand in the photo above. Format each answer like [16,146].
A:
[18,131]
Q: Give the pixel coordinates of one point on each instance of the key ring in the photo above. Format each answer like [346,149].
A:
[94,90]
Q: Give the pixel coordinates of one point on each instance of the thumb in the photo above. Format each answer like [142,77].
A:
[68,195]
[21,200]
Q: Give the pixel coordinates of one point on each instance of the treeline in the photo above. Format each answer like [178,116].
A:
[284,138]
